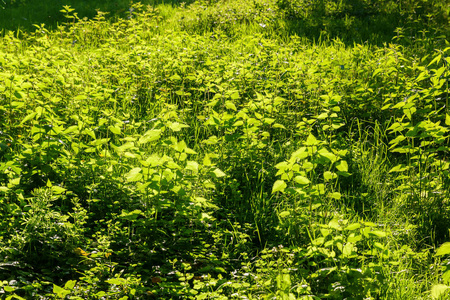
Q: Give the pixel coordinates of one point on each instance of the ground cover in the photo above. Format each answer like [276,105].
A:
[213,151]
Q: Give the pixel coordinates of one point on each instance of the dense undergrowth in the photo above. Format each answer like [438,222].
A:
[220,151]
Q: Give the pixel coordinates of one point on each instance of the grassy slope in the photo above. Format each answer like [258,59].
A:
[200,151]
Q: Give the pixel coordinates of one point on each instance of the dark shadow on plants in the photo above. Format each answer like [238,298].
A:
[362,20]
[21,15]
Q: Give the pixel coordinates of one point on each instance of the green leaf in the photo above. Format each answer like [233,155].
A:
[116,281]
[327,154]
[193,166]
[301,180]
[342,166]
[70,284]
[175,77]
[438,290]
[443,249]
[334,223]
[335,195]
[446,276]
[207,160]
[284,214]
[89,132]
[348,249]
[9,289]
[219,173]
[28,117]
[131,216]
[311,140]
[437,59]
[353,226]
[422,76]
[58,190]
[150,136]
[230,105]
[279,186]
[327,175]
[134,175]
[114,129]
[175,126]
[80,97]
[59,291]
[447,120]
[377,233]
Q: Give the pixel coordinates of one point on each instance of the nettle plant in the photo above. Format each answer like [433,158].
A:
[420,139]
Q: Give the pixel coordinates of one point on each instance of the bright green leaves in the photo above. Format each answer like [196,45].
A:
[134,175]
[301,169]
[176,126]
[279,186]
[230,105]
[115,129]
[444,249]
[150,136]
[311,141]
[438,290]
[302,180]
[218,173]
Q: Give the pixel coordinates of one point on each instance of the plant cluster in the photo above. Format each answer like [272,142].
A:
[176,154]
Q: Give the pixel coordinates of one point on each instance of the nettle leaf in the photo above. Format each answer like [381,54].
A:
[115,129]
[134,175]
[398,168]
[444,249]
[207,160]
[89,132]
[133,215]
[335,195]
[219,173]
[284,214]
[311,140]
[446,276]
[377,233]
[235,96]
[230,105]
[353,226]
[180,146]
[150,136]
[327,175]
[193,166]
[28,117]
[175,126]
[279,186]
[268,121]
[302,180]
[126,146]
[116,281]
[59,291]
[58,190]
[70,284]
[342,166]
[438,290]
[175,77]
[299,154]
[325,153]
[348,249]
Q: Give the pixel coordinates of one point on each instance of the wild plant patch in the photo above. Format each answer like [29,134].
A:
[142,159]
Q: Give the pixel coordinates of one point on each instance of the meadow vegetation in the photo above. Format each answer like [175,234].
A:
[266,149]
